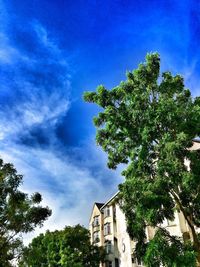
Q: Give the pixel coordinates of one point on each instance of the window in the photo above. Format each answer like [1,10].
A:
[137,261]
[107,230]
[96,221]
[115,243]
[116,262]
[108,246]
[96,237]
[107,212]
[114,213]
[171,223]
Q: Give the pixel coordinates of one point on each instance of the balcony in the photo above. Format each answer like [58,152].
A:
[96,226]
[96,240]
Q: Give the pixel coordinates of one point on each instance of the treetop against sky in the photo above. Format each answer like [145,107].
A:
[52,51]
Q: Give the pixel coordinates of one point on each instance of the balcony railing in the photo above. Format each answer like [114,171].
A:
[96,240]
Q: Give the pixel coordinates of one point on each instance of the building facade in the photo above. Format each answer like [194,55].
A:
[108,229]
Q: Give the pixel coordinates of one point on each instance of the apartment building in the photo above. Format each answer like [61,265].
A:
[108,228]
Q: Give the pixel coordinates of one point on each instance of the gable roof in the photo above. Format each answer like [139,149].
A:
[99,205]
[110,200]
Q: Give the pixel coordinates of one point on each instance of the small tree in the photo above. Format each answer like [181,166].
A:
[18,213]
[148,122]
[69,247]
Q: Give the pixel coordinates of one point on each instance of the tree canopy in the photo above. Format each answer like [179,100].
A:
[19,213]
[69,247]
[148,122]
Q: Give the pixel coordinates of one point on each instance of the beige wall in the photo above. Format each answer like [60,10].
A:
[122,246]
[96,212]
[124,243]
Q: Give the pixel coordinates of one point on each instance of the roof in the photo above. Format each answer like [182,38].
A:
[111,199]
[99,205]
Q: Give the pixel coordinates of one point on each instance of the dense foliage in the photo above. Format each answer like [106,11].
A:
[18,213]
[148,122]
[69,247]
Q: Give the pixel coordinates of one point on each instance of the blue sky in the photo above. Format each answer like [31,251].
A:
[53,51]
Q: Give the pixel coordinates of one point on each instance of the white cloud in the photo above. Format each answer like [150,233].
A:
[35,103]
[8,54]
[37,87]
[68,187]
[68,190]
[43,37]
[39,94]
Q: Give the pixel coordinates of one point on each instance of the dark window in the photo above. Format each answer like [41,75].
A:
[108,246]
[115,243]
[137,261]
[107,212]
[114,213]
[107,229]
[116,262]
[96,221]
[96,237]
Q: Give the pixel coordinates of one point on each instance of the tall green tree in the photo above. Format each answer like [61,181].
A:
[148,122]
[18,213]
[69,248]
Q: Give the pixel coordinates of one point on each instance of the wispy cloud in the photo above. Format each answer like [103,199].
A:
[34,100]
[67,188]
[38,118]
[35,90]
